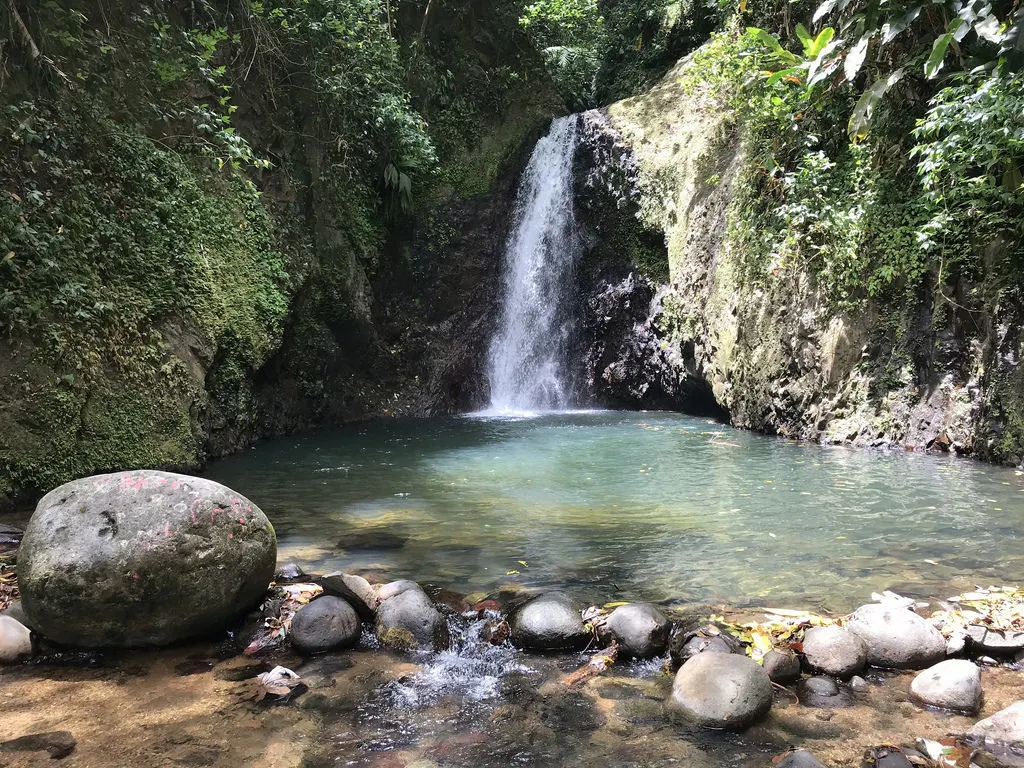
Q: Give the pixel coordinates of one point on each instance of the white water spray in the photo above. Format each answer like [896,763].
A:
[528,352]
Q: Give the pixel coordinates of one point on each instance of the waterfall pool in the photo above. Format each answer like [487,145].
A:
[633,506]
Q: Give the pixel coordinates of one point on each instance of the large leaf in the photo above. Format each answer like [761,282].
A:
[818,45]
[772,42]
[824,9]
[804,36]
[895,25]
[860,121]
[822,65]
[790,73]
[939,48]
[855,58]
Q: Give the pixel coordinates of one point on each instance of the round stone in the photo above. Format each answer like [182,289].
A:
[896,637]
[406,619]
[782,665]
[640,629]
[142,558]
[326,624]
[549,623]
[834,651]
[722,690]
[15,640]
[954,684]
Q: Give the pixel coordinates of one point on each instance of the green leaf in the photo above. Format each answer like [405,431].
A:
[855,58]
[895,25]
[782,74]
[824,9]
[803,35]
[939,48]
[860,121]
[820,42]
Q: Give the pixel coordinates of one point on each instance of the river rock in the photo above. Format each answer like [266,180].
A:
[834,651]
[360,593]
[325,624]
[142,558]
[994,641]
[707,640]
[799,758]
[549,623]
[1003,729]
[896,637]
[15,640]
[722,690]
[406,619]
[952,684]
[782,665]
[640,628]
[58,744]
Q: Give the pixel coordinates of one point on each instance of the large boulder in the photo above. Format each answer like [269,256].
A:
[326,624]
[834,651]
[722,690]
[896,637]
[142,558]
[640,628]
[549,623]
[953,684]
[1003,729]
[407,619]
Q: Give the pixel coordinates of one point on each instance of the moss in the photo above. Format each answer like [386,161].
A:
[398,639]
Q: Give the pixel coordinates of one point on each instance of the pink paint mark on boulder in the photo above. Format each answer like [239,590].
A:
[231,536]
[167,528]
[241,521]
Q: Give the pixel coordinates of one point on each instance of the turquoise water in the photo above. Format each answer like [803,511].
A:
[615,505]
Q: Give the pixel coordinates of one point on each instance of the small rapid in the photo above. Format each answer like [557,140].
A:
[527,356]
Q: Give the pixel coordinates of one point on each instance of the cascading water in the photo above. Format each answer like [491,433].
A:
[528,352]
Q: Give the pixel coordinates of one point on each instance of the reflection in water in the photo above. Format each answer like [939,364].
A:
[632,505]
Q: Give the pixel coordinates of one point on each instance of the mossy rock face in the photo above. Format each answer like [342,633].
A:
[142,559]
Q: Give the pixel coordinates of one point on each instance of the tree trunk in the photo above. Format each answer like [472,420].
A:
[426,17]
[26,36]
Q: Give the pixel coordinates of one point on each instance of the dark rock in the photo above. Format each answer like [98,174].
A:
[325,624]
[10,538]
[640,629]
[782,666]
[406,619]
[993,641]
[799,758]
[721,690]
[824,692]
[896,637]
[358,540]
[289,572]
[954,684]
[886,757]
[834,651]
[59,744]
[706,640]
[359,593]
[142,558]
[549,623]
[15,640]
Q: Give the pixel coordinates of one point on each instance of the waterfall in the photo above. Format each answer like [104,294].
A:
[527,356]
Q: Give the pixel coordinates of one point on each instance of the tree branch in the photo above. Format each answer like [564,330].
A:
[26,36]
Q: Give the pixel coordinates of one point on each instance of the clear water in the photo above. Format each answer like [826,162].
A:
[653,506]
[527,355]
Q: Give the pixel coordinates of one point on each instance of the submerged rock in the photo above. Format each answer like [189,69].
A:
[15,640]
[142,558]
[640,628]
[706,640]
[549,623]
[953,684]
[896,637]
[799,758]
[406,619]
[1003,729]
[58,744]
[782,665]
[824,692]
[834,651]
[326,624]
[722,690]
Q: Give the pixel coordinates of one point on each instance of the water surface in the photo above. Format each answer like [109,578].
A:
[615,505]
